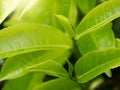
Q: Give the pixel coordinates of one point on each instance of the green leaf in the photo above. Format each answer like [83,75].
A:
[26,82]
[73,13]
[86,5]
[99,17]
[50,67]
[38,11]
[95,63]
[108,73]
[6,7]
[117,43]
[23,38]
[58,84]
[97,40]
[60,7]
[64,21]
[41,61]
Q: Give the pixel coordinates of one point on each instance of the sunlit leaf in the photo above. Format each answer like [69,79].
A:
[6,7]
[38,11]
[23,38]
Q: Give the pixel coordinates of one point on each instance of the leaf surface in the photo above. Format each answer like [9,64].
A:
[39,61]
[64,21]
[28,37]
[117,43]
[41,12]
[98,17]
[97,40]
[26,82]
[58,84]
[6,7]
[86,5]
[95,63]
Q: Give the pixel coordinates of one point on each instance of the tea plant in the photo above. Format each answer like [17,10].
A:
[40,37]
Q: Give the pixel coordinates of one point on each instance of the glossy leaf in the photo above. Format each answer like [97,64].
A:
[6,7]
[99,17]
[58,84]
[97,40]
[23,38]
[95,63]
[38,11]
[86,5]
[64,21]
[26,82]
[35,61]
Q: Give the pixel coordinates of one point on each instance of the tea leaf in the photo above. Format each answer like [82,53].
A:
[86,5]
[100,39]
[38,11]
[58,84]
[23,38]
[64,21]
[6,7]
[95,63]
[26,82]
[40,61]
[98,17]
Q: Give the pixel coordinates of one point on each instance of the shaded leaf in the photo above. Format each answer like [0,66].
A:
[26,82]
[95,63]
[86,5]
[58,84]
[23,38]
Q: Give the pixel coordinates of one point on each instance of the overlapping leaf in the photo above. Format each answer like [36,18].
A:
[93,31]
[100,39]
[95,63]
[65,8]
[35,61]
[66,25]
